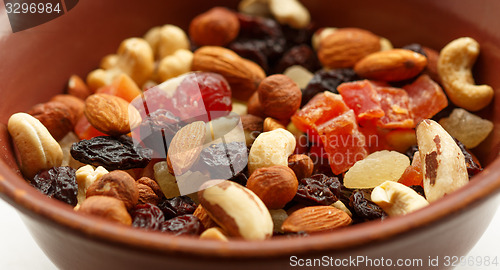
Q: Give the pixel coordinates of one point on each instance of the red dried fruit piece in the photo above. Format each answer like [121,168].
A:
[426,98]
[319,109]
[412,176]
[85,131]
[343,141]
[362,97]
[396,105]
[375,137]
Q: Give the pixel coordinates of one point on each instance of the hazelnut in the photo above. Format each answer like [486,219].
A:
[106,207]
[216,27]
[279,96]
[254,107]
[55,116]
[275,185]
[74,104]
[117,184]
[152,184]
[147,195]
[272,124]
[302,165]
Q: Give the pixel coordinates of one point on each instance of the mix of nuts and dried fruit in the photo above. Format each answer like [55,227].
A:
[258,124]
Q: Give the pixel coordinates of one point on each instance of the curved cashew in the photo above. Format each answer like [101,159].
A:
[134,58]
[290,12]
[397,199]
[271,148]
[454,66]
[166,40]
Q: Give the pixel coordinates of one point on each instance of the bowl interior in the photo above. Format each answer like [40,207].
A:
[36,64]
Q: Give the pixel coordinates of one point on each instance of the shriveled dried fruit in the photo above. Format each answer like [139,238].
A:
[183,225]
[302,55]
[177,206]
[147,216]
[223,160]
[58,183]
[327,80]
[112,153]
[364,208]
[467,127]
[318,189]
[158,129]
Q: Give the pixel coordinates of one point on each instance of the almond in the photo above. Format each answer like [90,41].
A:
[242,75]
[185,147]
[204,218]
[391,65]
[111,115]
[344,47]
[316,219]
[78,88]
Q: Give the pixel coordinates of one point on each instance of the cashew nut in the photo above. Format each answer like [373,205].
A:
[166,40]
[38,150]
[271,148]
[85,176]
[397,199]
[454,66]
[134,58]
[443,163]
[175,64]
[290,12]
[258,8]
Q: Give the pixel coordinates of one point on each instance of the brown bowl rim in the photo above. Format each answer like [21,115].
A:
[29,201]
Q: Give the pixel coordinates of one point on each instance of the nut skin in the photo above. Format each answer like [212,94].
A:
[279,96]
[111,114]
[244,76]
[391,65]
[117,184]
[56,117]
[108,208]
[254,107]
[302,165]
[275,185]
[78,88]
[204,218]
[152,184]
[316,219]
[343,48]
[74,104]
[147,195]
[218,26]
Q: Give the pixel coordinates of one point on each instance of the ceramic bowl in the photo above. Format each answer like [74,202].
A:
[36,63]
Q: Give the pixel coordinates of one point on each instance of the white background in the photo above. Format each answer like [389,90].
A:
[18,251]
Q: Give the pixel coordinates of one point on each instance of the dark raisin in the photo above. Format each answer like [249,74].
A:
[327,80]
[112,153]
[183,225]
[157,130]
[260,40]
[411,151]
[364,208]
[416,48]
[147,216]
[223,160]
[291,234]
[301,36]
[58,183]
[318,189]
[302,55]
[473,166]
[177,206]
[241,178]
[419,190]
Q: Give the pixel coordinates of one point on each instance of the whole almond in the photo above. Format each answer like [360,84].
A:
[185,147]
[242,75]
[111,115]
[204,218]
[391,65]
[279,96]
[78,88]
[316,219]
[276,185]
[344,47]
[218,26]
